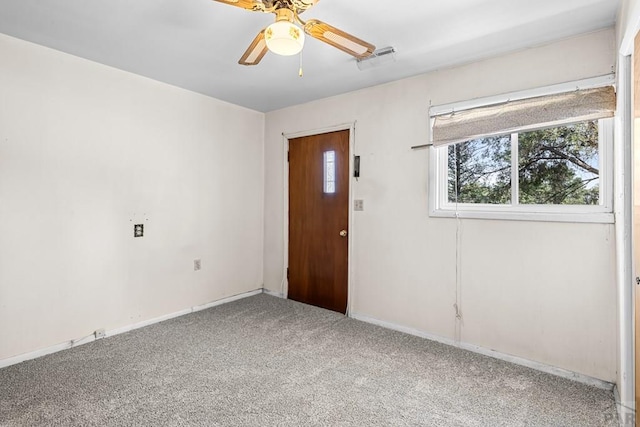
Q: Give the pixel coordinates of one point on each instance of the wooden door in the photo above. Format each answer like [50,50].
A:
[319,220]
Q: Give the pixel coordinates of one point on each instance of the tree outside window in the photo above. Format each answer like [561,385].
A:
[555,166]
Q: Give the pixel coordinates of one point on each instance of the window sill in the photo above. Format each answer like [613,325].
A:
[582,217]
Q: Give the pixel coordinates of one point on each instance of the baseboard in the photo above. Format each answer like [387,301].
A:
[90,338]
[182,313]
[273,293]
[564,373]
[585,379]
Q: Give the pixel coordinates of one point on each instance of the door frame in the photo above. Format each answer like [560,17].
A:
[351,127]
[625,250]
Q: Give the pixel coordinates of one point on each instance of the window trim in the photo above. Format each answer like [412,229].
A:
[439,206]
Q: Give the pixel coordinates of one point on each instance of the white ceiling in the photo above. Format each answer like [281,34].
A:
[195,44]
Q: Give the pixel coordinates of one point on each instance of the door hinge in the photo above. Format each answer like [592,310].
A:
[287,156]
[287,273]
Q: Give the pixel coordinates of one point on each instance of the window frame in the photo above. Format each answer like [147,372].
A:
[439,205]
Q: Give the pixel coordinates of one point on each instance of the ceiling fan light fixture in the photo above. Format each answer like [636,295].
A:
[286,36]
[283,37]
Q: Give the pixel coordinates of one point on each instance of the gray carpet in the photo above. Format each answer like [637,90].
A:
[264,361]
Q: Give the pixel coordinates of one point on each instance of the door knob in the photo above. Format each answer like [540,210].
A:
[343,233]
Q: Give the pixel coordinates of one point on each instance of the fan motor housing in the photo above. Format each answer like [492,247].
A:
[304,4]
[297,5]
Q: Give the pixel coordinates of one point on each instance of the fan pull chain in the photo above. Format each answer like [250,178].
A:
[300,72]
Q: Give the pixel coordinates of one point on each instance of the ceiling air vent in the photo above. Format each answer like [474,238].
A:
[379,57]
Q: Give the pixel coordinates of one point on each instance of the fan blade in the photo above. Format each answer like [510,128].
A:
[256,5]
[338,38]
[256,51]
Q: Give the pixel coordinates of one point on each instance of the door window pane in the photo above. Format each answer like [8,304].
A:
[329,172]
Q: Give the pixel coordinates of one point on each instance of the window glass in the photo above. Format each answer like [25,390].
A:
[479,171]
[329,172]
[560,166]
[555,166]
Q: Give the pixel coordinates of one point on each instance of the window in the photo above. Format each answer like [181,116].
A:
[546,172]
[329,172]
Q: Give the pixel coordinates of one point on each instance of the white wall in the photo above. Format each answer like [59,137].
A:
[541,291]
[86,151]
[626,24]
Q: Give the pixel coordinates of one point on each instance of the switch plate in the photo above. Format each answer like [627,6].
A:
[358,205]
[197,264]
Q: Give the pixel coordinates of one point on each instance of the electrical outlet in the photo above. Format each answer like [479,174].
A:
[99,333]
[197,264]
[358,205]
[138,230]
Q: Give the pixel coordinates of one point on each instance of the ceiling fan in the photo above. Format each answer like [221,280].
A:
[285,37]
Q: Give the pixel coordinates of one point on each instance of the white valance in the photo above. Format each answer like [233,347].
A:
[523,114]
